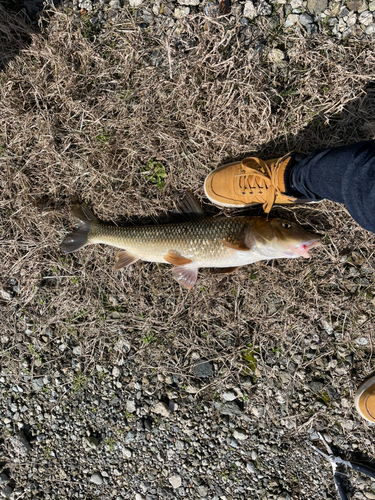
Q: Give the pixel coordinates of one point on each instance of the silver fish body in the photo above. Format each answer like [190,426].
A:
[219,242]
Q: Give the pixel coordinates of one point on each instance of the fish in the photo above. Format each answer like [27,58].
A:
[200,241]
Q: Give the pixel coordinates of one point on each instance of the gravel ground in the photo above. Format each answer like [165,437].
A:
[354,18]
[120,428]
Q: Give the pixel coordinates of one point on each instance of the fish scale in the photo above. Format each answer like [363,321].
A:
[200,240]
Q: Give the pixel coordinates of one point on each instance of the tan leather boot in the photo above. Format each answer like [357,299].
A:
[365,399]
[251,181]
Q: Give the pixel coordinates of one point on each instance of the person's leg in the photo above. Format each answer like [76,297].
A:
[344,174]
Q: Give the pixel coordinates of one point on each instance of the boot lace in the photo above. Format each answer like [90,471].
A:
[261,182]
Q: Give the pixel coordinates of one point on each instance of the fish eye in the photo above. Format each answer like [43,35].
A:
[286,225]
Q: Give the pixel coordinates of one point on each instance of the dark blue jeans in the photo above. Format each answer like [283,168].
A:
[345,174]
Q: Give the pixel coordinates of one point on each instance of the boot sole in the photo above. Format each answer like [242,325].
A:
[361,389]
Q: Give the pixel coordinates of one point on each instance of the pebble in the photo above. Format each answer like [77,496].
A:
[372,6]
[366,18]
[37,384]
[249,10]
[162,409]
[20,444]
[96,478]
[291,20]
[370,494]
[202,491]
[370,30]
[138,496]
[181,12]
[6,491]
[130,406]
[250,467]
[229,408]
[229,396]
[175,481]
[135,3]
[240,434]
[362,341]
[203,369]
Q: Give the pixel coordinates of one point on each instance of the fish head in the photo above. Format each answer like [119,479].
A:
[281,238]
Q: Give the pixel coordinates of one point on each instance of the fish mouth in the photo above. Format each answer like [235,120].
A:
[303,249]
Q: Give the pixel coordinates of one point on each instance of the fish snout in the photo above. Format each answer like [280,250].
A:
[302,250]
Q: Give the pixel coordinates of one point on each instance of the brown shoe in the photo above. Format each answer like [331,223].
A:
[250,182]
[365,399]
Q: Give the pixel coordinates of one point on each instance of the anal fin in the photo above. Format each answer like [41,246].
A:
[185,276]
[124,259]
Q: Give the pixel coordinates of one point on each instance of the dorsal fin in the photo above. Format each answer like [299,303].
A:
[189,207]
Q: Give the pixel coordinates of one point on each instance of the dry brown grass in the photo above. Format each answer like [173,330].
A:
[82,113]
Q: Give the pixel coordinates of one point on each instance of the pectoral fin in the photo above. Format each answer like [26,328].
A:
[185,276]
[236,245]
[175,258]
[224,270]
[124,259]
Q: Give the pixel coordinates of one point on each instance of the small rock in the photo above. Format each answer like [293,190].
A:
[362,341]
[189,2]
[291,20]
[264,9]
[130,437]
[175,481]
[202,491]
[317,6]
[181,12]
[115,372]
[229,408]
[311,29]
[5,296]
[250,467]
[147,16]
[316,386]
[4,479]
[370,494]
[295,4]
[86,5]
[229,396]
[127,452]
[6,491]
[135,3]
[138,496]
[240,434]
[306,19]
[276,56]
[192,389]
[92,442]
[203,369]
[257,411]
[77,350]
[130,406]
[162,409]
[372,6]
[249,10]
[20,444]
[366,18]
[37,384]
[96,479]
[370,30]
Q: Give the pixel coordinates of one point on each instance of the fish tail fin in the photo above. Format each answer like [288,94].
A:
[80,236]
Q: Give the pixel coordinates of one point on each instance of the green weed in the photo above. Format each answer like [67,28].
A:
[155,172]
